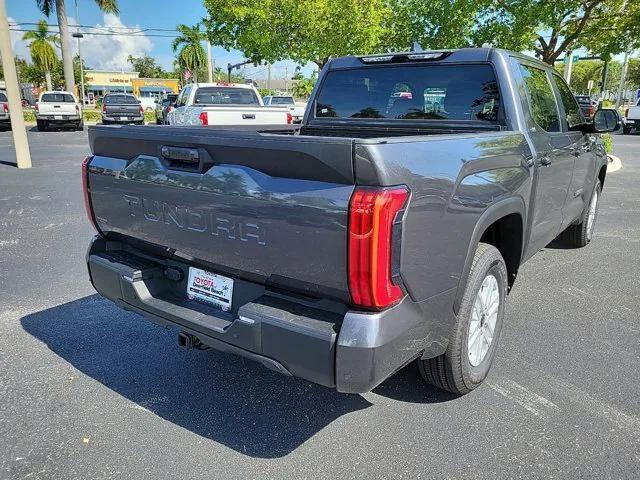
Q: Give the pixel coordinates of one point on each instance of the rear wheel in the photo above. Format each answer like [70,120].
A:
[80,125]
[472,347]
[579,235]
[41,125]
[626,129]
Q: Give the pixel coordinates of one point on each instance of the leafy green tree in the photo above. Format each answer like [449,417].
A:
[551,27]
[41,48]
[302,86]
[47,7]
[301,30]
[146,66]
[191,54]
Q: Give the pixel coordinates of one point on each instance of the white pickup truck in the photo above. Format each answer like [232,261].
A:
[631,118]
[296,109]
[225,104]
[58,108]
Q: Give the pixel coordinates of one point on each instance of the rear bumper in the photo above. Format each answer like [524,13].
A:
[52,119]
[131,119]
[350,351]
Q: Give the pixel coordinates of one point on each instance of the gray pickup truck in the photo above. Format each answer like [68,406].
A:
[387,229]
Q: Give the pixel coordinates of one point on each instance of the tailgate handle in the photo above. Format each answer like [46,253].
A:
[180,154]
[248,116]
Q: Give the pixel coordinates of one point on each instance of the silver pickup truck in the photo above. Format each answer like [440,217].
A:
[387,229]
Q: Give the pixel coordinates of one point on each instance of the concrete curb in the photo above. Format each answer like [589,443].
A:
[614,164]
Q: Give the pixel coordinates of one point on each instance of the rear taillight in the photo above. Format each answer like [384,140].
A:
[85,190]
[204,119]
[591,110]
[169,109]
[37,107]
[104,108]
[372,213]
[77,109]
[289,118]
[626,113]
[141,109]
[5,107]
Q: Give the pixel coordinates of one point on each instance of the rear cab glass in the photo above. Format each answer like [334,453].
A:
[466,92]
[225,96]
[120,100]
[282,101]
[3,97]
[57,98]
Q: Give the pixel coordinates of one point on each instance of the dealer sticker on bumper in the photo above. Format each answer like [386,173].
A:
[210,288]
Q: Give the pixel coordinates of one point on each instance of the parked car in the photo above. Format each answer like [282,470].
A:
[148,103]
[588,106]
[283,100]
[225,103]
[377,234]
[164,106]
[121,108]
[631,118]
[5,118]
[58,108]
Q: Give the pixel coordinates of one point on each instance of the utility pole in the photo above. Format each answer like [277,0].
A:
[269,77]
[568,67]
[209,62]
[79,35]
[623,79]
[286,79]
[20,143]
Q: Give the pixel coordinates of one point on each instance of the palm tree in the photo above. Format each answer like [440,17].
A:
[192,54]
[46,7]
[42,52]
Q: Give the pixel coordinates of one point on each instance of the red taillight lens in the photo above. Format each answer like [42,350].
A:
[77,109]
[626,113]
[204,119]
[289,118]
[104,108]
[85,190]
[141,109]
[372,212]
[169,109]
[591,109]
[5,107]
[37,107]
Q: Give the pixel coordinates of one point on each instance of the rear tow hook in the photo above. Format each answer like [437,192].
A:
[188,341]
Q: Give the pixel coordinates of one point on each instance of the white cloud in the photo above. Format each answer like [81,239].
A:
[100,52]
[110,52]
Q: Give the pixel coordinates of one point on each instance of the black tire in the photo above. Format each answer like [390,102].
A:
[453,370]
[578,235]
[626,129]
[80,126]
[41,125]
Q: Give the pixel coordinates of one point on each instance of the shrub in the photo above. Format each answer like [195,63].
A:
[607,140]
[91,115]
[29,115]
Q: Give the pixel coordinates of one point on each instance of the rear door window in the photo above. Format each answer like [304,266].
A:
[120,100]
[3,97]
[541,99]
[57,98]
[411,92]
[225,96]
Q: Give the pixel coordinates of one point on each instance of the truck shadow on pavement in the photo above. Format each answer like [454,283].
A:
[233,401]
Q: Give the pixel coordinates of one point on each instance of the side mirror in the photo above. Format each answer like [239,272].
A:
[606,120]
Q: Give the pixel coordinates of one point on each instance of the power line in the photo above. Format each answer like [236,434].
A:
[140,33]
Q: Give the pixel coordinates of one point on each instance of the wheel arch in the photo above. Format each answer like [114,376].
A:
[501,225]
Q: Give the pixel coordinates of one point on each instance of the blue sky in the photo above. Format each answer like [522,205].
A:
[104,52]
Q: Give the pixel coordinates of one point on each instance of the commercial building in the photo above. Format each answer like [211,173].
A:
[100,82]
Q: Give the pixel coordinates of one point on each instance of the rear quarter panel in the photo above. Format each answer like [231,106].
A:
[454,180]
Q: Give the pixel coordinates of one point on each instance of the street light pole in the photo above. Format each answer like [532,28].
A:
[20,143]
[79,35]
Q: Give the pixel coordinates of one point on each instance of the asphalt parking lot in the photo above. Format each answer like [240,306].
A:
[90,391]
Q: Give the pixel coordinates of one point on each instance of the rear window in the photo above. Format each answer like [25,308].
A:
[120,100]
[3,97]
[225,96]
[282,101]
[584,100]
[57,98]
[409,92]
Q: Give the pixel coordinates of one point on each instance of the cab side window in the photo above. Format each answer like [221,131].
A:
[541,98]
[571,107]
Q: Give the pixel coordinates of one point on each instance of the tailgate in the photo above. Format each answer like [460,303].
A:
[57,109]
[123,110]
[242,115]
[263,207]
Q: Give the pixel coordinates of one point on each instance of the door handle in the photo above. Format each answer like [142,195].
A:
[545,161]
